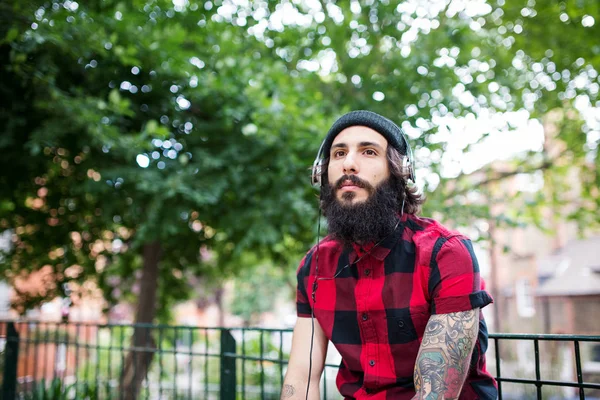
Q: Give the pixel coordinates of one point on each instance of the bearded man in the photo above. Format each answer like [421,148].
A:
[398,295]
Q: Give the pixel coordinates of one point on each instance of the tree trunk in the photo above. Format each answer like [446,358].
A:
[139,358]
[219,300]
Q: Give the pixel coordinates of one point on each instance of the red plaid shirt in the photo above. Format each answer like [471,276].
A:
[375,310]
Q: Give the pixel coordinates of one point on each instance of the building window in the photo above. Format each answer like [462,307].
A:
[525,300]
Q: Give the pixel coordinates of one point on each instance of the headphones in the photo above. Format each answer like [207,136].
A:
[317,167]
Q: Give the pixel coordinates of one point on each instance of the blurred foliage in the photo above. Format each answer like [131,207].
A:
[193,124]
[248,295]
[57,389]
[86,202]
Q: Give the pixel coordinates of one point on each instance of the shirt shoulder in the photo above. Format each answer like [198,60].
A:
[327,249]
[429,233]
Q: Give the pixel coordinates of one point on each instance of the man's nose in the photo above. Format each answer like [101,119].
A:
[350,164]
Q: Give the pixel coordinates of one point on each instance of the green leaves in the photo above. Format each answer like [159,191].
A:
[11,35]
[143,121]
[107,92]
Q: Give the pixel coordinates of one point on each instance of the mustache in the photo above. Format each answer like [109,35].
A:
[354,179]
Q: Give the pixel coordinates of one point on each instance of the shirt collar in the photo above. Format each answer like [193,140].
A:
[381,251]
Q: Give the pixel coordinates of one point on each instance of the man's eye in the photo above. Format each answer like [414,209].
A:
[338,153]
[370,152]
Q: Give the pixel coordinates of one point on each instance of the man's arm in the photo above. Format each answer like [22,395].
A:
[445,353]
[296,377]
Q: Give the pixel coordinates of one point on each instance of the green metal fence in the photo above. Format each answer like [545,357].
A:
[85,361]
[545,347]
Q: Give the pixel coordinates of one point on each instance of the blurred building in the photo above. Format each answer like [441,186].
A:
[544,280]
[568,292]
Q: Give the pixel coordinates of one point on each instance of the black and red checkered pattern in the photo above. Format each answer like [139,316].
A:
[373,303]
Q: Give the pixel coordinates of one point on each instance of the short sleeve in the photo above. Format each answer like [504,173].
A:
[454,282]
[303,308]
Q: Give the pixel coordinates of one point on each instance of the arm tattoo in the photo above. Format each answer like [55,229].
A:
[443,360]
[287,392]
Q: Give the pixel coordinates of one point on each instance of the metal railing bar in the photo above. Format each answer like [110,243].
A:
[147,369]
[36,356]
[545,336]
[26,331]
[87,358]
[587,385]
[121,373]
[262,365]
[190,364]
[510,336]
[206,377]
[110,351]
[175,361]
[54,369]
[46,355]
[77,350]
[579,372]
[536,350]
[98,360]
[134,364]
[280,359]
[67,342]
[143,349]
[160,362]
[243,365]
[150,325]
[497,353]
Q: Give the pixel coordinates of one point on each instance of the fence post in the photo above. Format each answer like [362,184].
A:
[228,373]
[11,357]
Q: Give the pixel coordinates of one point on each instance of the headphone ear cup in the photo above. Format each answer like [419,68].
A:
[317,168]
[406,167]
[316,175]
[411,171]
[408,163]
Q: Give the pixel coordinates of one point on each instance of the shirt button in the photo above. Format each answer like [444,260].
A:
[365,316]
[401,324]
[372,363]
[367,272]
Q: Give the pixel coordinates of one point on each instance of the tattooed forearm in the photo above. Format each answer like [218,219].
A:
[287,391]
[443,360]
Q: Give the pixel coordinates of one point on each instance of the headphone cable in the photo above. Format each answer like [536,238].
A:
[312,309]
[315,285]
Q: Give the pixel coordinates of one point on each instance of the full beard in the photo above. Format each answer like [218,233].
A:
[368,221]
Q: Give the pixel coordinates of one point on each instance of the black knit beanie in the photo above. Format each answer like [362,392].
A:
[381,125]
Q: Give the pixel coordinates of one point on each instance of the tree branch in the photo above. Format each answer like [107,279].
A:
[498,176]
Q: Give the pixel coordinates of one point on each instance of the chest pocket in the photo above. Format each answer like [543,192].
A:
[406,325]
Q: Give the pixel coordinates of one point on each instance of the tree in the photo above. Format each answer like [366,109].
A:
[103,176]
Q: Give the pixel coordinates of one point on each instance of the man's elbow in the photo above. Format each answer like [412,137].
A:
[295,388]
[301,375]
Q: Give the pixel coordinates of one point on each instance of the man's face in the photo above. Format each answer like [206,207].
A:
[357,164]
